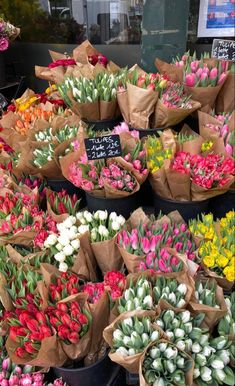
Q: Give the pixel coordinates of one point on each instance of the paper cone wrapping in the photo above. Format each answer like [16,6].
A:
[204,95]
[212,314]
[199,193]
[5,298]
[131,261]
[90,111]
[81,52]
[188,375]
[79,350]
[50,354]
[159,183]
[107,255]
[122,99]
[90,258]
[165,116]
[81,265]
[226,98]
[24,238]
[107,109]
[175,73]
[193,146]
[141,105]
[179,185]
[221,281]
[130,363]
[136,218]
[111,192]
[100,319]
[205,118]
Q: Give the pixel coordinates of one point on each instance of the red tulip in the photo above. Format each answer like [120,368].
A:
[73,337]
[21,352]
[30,348]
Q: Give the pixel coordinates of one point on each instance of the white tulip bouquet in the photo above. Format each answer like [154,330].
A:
[171,291]
[137,297]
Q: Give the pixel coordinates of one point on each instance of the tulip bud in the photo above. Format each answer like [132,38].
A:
[145,338]
[196,348]
[154,353]
[170,366]
[159,382]
[219,375]
[206,374]
[170,335]
[157,364]
[181,345]
[182,288]
[122,351]
[200,359]
[171,353]
[6,364]
[179,333]
[155,336]
[117,334]
[217,364]
[180,363]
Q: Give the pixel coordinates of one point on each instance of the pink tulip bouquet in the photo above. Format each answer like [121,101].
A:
[7,34]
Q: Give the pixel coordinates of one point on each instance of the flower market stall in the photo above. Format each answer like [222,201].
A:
[117,221]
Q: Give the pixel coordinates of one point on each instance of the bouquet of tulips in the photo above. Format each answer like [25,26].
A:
[103,230]
[62,204]
[138,95]
[92,99]
[147,246]
[211,356]
[60,135]
[7,33]
[173,106]
[226,326]
[216,252]
[163,364]
[128,336]
[109,179]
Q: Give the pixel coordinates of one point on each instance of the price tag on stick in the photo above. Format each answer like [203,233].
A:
[223,49]
[107,146]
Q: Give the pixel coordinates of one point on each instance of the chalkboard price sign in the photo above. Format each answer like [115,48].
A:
[223,49]
[107,146]
[3,102]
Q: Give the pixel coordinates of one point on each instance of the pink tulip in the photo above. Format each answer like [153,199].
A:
[137,164]
[174,261]
[149,259]
[4,382]
[6,364]
[213,73]
[206,70]
[153,243]
[199,72]
[178,246]
[13,381]
[184,58]
[164,254]
[176,231]
[224,131]
[183,227]
[204,76]
[181,63]
[145,244]
[194,65]
[164,226]
[222,78]
[229,149]
[190,80]
[134,241]
[142,266]
[162,266]
[169,240]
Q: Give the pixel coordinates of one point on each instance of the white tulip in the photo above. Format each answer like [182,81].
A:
[159,382]
[148,301]
[122,351]
[220,375]
[188,327]
[79,216]
[60,256]
[181,303]
[207,350]
[154,336]
[106,233]
[180,362]
[206,374]
[179,333]
[181,345]
[172,297]
[68,250]
[60,227]
[224,355]
[162,347]
[75,244]
[118,334]
[185,316]
[121,220]
[217,364]
[103,215]
[93,234]
[113,216]
[102,229]
[63,267]
[50,240]
[126,340]
[115,226]
[59,247]
[170,334]
[63,240]
[170,367]
[69,222]
[196,348]
[182,288]
[88,216]
[128,322]
[131,352]
[171,353]
[83,228]
[196,373]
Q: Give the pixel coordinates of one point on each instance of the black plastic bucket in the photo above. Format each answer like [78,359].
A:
[124,206]
[187,209]
[146,194]
[222,204]
[145,132]
[98,374]
[58,185]
[104,125]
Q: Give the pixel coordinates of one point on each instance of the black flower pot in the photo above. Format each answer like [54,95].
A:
[187,209]
[98,374]
[124,206]
[145,132]
[58,185]
[222,204]
[104,125]
[146,194]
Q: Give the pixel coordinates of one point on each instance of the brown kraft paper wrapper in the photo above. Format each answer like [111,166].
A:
[5,298]
[80,350]
[110,192]
[90,258]
[136,218]
[57,55]
[199,193]
[131,261]
[122,99]
[205,118]
[159,183]
[17,258]
[168,140]
[165,116]
[193,146]
[204,95]
[81,52]
[221,280]
[212,314]
[100,319]
[141,105]
[50,354]
[107,109]
[130,363]
[179,185]
[226,98]
[188,375]
[24,238]
[81,265]
[107,255]
[175,73]
[90,111]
